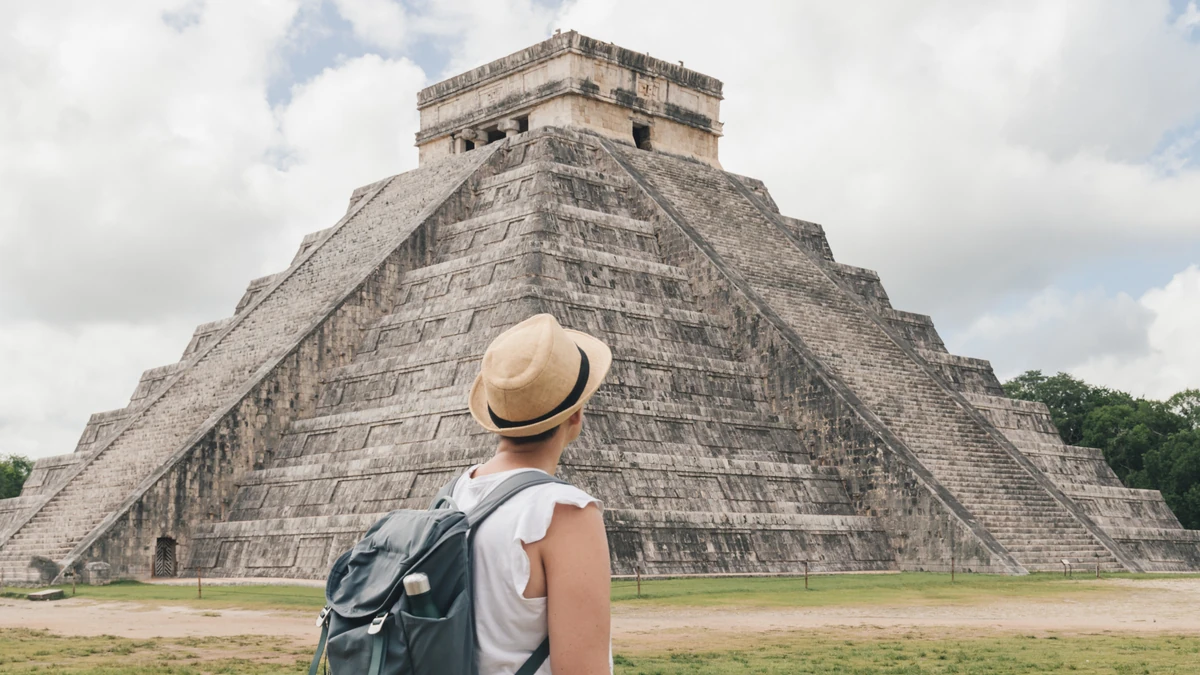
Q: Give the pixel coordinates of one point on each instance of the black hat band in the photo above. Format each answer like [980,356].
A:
[571,399]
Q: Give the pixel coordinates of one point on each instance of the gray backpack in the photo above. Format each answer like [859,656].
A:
[365,626]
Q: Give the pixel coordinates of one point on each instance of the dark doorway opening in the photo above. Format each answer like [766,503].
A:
[522,124]
[470,145]
[164,557]
[495,135]
[641,136]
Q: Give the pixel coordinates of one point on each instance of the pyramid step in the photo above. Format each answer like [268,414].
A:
[552,181]
[582,227]
[470,347]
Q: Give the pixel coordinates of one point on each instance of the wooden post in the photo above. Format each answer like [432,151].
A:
[806,575]
[199,591]
[72,584]
[1097,569]
[952,554]
[638,571]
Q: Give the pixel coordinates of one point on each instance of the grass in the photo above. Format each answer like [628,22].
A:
[824,591]
[214,597]
[854,651]
[862,589]
[41,652]
[851,653]
[914,653]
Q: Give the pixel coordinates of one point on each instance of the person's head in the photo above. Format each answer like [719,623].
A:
[557,438]
[534,381]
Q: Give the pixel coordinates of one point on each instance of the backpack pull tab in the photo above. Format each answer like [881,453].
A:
[323,616]
[377,624]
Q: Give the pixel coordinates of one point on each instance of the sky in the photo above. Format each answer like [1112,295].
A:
[1028,173]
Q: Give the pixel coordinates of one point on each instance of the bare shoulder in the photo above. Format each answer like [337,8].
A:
[573,524]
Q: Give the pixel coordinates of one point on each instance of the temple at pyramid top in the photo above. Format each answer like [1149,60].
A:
[572,80]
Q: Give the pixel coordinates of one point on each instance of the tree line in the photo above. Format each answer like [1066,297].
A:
[14,469]
[1149,444]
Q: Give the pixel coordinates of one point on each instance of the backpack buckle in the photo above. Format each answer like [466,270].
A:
[323,616]
[377,624]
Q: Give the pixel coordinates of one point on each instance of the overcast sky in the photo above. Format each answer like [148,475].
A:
[1026,172]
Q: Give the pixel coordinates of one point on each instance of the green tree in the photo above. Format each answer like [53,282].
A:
[1127,431]
[14,469]
[1149,444]
[1174,469]
[1069,399]
[1186,404]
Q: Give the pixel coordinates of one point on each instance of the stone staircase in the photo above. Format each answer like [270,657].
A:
[696,474]
[851,329]
[222,361]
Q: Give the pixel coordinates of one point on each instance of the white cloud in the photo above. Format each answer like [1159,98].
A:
[474,32]
[347,127]
[145,179]
[54,377]
[380,23]
[1145,346]
[122,145]
[967,151]
[1189,18]
[469,32]
[1173,361]
[1057,330]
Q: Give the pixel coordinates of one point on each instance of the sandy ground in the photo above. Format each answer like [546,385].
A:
[1168,605]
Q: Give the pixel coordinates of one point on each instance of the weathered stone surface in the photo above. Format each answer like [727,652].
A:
[767,406]
[96,574]
[576,81]
[696,473]
[174,460]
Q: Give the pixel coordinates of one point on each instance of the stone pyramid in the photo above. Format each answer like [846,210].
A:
[767,409]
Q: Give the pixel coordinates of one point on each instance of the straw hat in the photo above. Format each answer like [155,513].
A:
[535,375]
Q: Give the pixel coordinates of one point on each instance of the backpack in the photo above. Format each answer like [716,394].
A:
[365,627]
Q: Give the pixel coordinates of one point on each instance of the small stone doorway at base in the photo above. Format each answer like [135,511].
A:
[164,557]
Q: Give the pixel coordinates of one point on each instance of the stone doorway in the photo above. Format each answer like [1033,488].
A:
[164,557]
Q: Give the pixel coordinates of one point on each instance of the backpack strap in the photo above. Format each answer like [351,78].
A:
[323,622]
[445,492]
[505,491]
[536,659]
[500,494]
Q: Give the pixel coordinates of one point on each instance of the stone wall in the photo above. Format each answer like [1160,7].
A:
[846,333]
[925,529]
[200,486]
[159,433]
[574,81]
[695,475]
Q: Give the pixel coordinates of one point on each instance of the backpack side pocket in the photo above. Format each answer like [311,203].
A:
[442,646]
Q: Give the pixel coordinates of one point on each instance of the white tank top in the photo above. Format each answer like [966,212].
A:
[508,625]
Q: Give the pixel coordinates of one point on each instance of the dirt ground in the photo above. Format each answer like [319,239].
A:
[1167,605]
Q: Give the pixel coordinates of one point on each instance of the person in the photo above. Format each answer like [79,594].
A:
[541,560]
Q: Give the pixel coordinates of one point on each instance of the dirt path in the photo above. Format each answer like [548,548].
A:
[1169,605]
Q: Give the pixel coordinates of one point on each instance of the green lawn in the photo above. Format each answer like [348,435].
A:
[824,591]
[27,652]
[799,654]
[864,589]
[851,651]
[214,597]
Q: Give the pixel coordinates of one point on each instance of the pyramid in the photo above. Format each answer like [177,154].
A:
[767,411]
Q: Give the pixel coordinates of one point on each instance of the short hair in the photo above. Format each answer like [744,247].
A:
[536,438]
